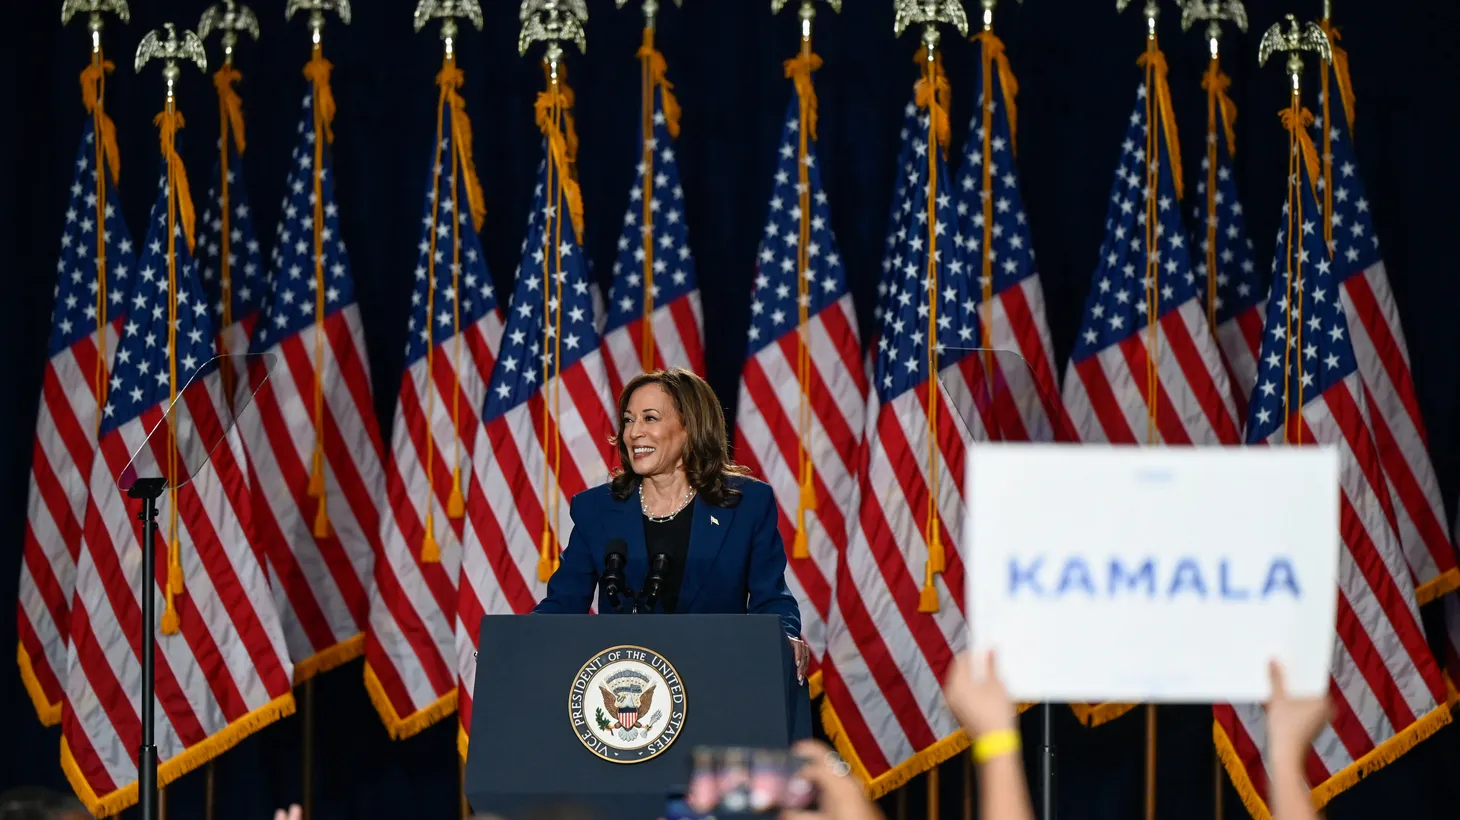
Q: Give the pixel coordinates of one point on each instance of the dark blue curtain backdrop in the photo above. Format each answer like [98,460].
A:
[1075,61]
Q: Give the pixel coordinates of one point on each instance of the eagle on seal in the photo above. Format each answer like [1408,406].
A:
[627,707]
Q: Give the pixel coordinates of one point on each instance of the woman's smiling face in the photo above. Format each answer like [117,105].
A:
[653,432]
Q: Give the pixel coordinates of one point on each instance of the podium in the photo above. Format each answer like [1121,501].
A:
[599,714]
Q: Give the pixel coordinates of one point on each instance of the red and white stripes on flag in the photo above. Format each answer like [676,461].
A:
[311,432]
[222,668]
[431,485]
[225,675]
[995,236]
[1379,345]
[1387,690]
[89,307]
[547,416]
[1145,368]
[803,392]
[897,618]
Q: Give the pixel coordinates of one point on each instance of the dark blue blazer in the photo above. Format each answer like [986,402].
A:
[736,562]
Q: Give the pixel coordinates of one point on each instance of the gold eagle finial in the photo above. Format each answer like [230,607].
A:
[316,9]
[553,21]
[448,11]
[95,8]
[651,9]
[1296,40]
[230,18]
[1214,12]
[929,13]
[153,47]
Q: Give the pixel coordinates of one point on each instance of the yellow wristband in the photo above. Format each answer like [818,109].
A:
[995,744]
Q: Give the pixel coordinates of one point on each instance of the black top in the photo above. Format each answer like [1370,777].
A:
[672,538]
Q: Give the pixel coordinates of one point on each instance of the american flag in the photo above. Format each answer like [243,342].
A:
[224,672]
[1119,354]
[995,231]
[1386,688]
[886,652]
[65,438]
[896,231]
[315,420]
[654,256]
[544,438]
[1233,299]
[229,254]
[1108,377]
[1383,361]
[788,413]
[452,339]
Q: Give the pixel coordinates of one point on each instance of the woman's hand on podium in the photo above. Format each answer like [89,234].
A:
[803,658]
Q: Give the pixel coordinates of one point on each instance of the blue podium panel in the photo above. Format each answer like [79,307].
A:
[601,714]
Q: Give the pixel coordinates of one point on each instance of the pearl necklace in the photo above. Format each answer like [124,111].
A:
[660,519]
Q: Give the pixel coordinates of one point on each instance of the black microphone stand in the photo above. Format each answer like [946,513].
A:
[148,490]
[1046,762]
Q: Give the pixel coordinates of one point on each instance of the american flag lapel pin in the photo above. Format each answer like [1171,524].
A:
[714,520]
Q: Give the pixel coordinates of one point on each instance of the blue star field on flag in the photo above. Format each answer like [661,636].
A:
[1355,244]
[897,216]
[1307,336]
[902,346]
[246,270]
[773,308]
[74,313]
[1012,254]
[673,265]
[541,286]
[1116,307]
[1239,284]
[291,302]
[477,297]
[141,374]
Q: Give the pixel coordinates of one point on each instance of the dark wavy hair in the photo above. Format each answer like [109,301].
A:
[706,449]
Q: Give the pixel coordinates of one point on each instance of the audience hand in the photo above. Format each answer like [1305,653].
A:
[842,797]
[1292,723]
[977,696]
[294,813]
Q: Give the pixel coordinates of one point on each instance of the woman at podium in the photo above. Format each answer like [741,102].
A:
[680,528]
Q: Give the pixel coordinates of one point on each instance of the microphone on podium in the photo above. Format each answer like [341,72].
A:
[658,568]
[613,570]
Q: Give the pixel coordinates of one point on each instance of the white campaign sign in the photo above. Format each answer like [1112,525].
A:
[1152,574]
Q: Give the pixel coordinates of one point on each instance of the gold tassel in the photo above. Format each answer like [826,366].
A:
[808,502]
[937,559]
[170,624]
[316,473]
[808,488]
[430,552]
[546,562]
[321,520]
[174,568]
[456,503]
[928,598]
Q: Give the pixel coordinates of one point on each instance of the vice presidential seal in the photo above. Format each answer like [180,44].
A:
[627,704]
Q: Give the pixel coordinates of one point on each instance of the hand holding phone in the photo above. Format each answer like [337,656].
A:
[748,781]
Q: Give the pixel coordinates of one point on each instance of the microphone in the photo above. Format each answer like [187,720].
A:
[658,568]
[613,570]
